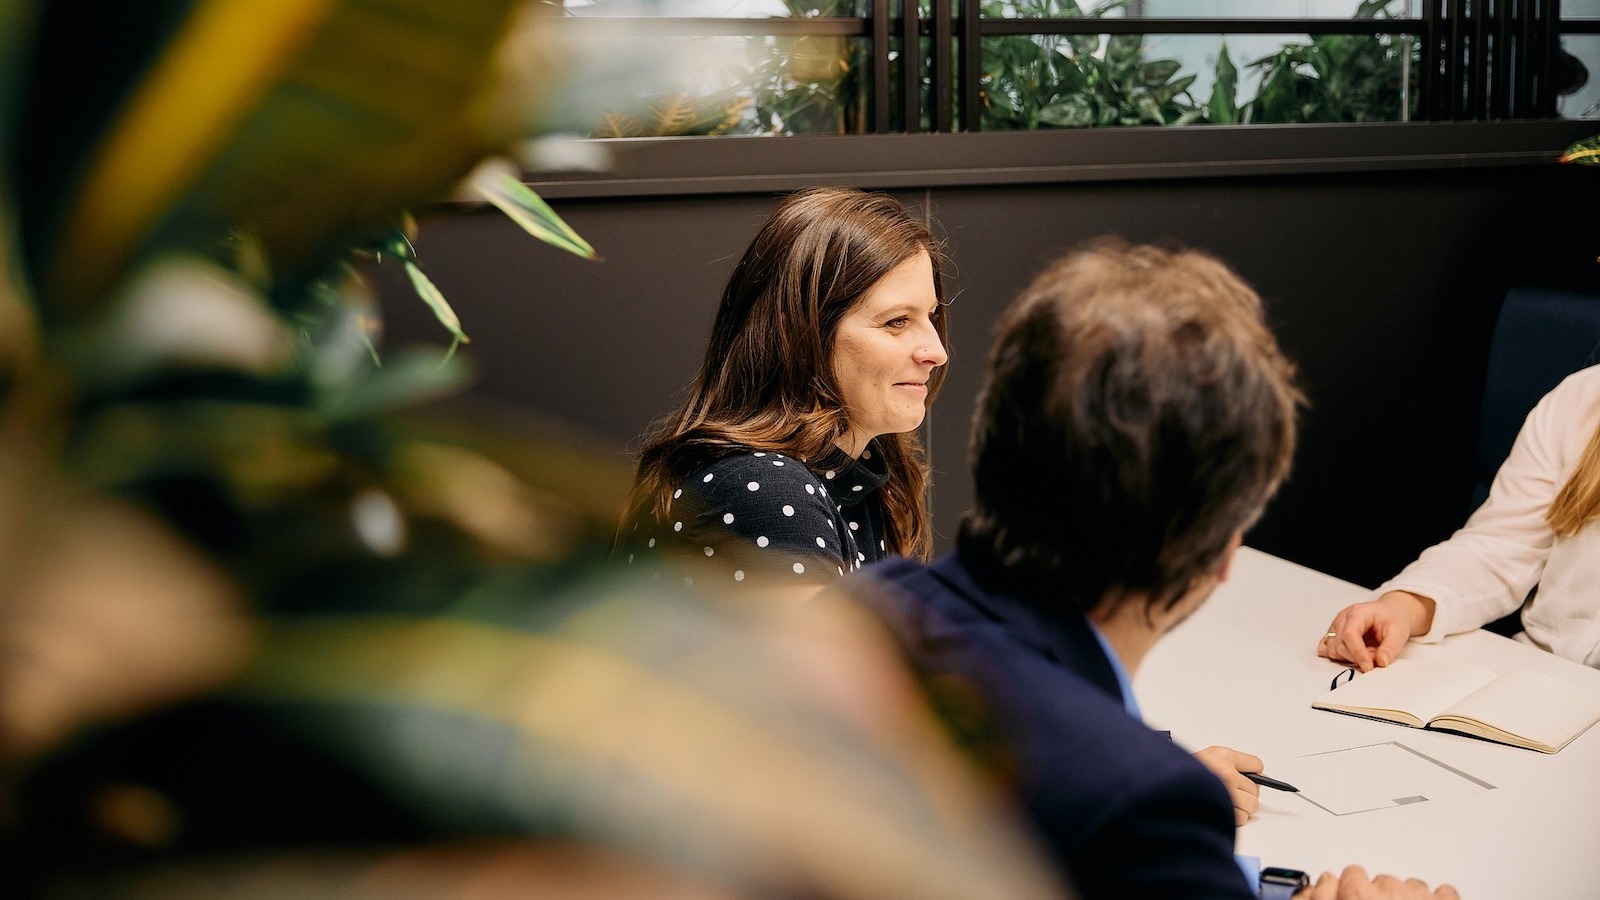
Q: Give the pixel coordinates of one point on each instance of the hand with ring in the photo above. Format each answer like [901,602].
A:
[1373,633]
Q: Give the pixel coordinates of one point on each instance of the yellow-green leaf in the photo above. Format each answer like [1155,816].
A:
[432,296]
[1585,152]
[507,192]
[310,123]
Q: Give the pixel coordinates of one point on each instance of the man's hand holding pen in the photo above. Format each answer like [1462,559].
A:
[1234,768]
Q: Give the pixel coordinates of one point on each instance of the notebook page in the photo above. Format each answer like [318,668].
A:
[1423,688]
[1532,705]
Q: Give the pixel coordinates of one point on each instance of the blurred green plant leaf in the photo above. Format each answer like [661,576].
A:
[678,114]
[1223,107]
[1158,72]
[408,379]
[1074,112]
[15,27]
[432,296]
[257,115]
[1585,152]
[507,192]
[1124,50]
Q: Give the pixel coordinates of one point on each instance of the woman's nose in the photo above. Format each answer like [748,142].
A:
[932,351]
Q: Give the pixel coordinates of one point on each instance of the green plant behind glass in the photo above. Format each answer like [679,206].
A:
[805,84]
[1336,78]
[1035,81]
[811,84]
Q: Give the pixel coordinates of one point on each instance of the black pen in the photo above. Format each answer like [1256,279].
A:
[1273,783]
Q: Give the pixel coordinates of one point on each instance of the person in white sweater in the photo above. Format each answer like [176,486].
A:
[1540,528]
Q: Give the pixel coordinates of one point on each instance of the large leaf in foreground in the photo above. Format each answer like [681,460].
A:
[305,122]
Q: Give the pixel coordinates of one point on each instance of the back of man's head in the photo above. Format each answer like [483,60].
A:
[1137,415]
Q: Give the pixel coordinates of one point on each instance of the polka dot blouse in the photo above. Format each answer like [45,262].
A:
[760,513]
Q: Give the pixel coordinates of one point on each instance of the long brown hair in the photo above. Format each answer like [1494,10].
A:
[1578,501]
[767,380]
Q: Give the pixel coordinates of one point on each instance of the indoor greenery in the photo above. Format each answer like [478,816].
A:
[774,84]
[1032,81]
[274,624]
[812,84]
[1336,78]
[815,84]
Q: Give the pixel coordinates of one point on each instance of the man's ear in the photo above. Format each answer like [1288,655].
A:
[1234,543]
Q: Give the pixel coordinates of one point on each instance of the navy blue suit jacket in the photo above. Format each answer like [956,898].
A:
[1129,813]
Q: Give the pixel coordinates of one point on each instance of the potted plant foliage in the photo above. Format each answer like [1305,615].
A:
[267,633]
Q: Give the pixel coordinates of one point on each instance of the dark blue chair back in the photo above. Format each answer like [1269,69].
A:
[1541,337]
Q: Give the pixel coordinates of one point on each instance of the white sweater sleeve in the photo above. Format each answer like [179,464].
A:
[1487,568]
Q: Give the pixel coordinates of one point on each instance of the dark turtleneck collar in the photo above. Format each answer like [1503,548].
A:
[851,481]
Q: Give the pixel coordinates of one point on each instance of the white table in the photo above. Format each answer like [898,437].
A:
[1242,672]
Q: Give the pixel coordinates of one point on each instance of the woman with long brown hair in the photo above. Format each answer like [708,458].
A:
[1539,528]
[795,455]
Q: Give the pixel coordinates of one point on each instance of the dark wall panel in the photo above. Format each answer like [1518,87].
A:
[1382,286]
[603,345]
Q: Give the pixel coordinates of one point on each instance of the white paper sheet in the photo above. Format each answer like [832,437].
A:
[1377,776]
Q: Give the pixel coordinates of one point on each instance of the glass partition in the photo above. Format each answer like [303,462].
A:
[800,67]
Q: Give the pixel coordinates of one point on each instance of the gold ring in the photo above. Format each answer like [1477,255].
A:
[1331,634]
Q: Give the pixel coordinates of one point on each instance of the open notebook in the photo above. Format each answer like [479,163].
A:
[1521,708]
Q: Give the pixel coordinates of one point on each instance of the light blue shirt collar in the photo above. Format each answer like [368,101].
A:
[1124,683]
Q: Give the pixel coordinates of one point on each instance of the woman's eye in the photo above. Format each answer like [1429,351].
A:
[897,322]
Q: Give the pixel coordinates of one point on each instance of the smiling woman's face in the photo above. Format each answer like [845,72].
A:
[884,351]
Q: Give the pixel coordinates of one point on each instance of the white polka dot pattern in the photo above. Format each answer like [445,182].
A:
[753,510]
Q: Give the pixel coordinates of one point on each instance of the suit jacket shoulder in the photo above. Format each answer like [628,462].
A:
[1129,813]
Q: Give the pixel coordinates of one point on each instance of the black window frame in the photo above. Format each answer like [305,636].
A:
[1480,59]
[1458,136]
